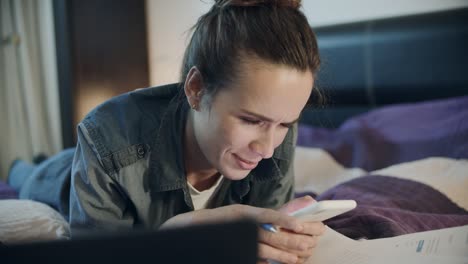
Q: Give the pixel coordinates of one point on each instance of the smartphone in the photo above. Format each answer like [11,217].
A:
[323,210]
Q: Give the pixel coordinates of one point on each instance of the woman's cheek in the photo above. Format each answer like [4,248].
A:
[240,136]
[281,135]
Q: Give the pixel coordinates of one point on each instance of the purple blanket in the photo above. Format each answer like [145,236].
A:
[395,134]
[389,206]
[6,192]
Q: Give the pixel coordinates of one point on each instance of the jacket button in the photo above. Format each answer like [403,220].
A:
[141,151]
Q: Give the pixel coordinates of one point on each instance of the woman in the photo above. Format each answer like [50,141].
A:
[217,146]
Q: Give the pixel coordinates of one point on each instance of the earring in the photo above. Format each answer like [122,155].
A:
[194,106]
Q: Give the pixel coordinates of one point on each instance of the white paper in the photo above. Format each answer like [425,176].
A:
[449,245]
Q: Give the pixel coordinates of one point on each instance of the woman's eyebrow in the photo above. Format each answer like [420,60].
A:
[264,118]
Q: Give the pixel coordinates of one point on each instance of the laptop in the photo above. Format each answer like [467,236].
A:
[233,242]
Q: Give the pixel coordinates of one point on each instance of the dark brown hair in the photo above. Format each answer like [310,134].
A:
[275,31]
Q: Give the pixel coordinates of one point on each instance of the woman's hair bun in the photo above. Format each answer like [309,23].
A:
[295,4]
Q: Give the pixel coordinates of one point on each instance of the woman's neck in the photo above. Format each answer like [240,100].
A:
[199,172]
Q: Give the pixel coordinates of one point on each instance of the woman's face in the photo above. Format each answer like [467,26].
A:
[247,120]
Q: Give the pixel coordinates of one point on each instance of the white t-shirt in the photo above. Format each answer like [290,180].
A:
[201,199]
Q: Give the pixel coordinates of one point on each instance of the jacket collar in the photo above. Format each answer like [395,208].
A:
[166,165]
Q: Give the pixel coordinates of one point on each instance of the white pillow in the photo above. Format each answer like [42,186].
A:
[316,171]
[29,221]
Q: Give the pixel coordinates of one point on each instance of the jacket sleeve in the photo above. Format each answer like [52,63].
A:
[96,199]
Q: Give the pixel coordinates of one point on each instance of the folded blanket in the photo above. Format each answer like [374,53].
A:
[389,206]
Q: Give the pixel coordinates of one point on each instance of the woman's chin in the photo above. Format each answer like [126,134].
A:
[235,174]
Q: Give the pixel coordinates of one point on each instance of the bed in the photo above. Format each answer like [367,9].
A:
[393,134]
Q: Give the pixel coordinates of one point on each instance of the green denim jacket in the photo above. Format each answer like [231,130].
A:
[128,169]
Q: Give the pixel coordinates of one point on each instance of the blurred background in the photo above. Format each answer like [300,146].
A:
[61,58]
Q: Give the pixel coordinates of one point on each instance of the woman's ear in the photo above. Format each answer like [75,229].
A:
[193,88]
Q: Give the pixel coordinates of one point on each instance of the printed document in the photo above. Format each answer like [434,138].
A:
[449,245]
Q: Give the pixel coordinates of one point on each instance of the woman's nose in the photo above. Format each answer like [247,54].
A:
[264,145]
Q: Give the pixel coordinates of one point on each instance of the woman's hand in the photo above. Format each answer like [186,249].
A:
[292,244]
[234,212]
[299,245]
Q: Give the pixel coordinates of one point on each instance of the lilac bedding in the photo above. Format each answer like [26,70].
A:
[6,192]
[389,206]
[395,134]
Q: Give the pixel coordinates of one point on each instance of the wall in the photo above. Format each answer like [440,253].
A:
[169,22]
[321,13]
[109,51]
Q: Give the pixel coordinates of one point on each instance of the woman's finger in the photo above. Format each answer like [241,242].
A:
[268,252]
[313,228]
[304,254]
[303,259]
[297,204]
[287,240]
[274,217]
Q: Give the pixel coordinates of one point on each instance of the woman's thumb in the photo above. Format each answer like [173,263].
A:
[297,204]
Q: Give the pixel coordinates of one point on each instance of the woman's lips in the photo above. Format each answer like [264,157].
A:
[245,164]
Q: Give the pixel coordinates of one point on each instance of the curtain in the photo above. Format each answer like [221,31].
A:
[29,100]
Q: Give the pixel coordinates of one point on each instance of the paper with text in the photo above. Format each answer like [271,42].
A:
[449,245]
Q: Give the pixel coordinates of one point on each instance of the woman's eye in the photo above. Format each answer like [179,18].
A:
[250,121]
[286,125]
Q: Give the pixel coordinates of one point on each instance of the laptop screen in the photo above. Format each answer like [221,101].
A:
[233,242]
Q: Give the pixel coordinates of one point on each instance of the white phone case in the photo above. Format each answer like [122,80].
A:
[323,210]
